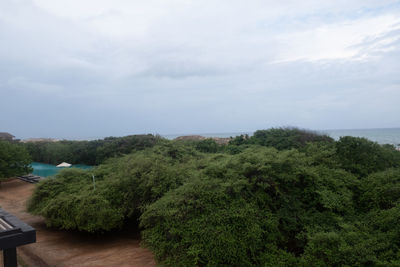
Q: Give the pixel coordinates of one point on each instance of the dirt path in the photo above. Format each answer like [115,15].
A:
[61,248]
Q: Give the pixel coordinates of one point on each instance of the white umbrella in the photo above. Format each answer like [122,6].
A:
[64,165]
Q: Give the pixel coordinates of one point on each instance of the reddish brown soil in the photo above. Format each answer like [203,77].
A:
[62,248]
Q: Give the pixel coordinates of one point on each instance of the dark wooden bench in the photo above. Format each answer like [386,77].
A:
[33,179]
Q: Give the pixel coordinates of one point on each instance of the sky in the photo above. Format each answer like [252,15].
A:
[94,68]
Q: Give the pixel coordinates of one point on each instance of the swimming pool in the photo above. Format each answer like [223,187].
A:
[45,170]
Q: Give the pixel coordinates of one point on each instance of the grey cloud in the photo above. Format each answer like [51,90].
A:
[210,71]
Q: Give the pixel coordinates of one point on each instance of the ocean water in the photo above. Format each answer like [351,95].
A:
[45,170]
[381,136]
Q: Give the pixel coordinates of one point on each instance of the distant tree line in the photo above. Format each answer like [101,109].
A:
[88,152]
[282,138]
[283,197]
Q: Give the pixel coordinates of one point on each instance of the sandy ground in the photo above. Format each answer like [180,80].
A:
[62,248]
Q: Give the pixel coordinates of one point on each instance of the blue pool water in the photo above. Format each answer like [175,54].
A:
[45,170]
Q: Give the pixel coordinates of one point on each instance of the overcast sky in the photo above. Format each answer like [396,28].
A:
[95,68]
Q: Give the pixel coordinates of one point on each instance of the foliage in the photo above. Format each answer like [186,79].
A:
[88,152]
[70,202]
[239,140]
[297,200]
[206,222]
[123,186]
[287,138]
[258,203]
[362,156]
[207,146]
[14,160]
[380,191]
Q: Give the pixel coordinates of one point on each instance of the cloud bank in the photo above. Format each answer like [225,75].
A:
[78,69]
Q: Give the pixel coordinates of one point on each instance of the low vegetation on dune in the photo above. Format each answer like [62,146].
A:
[283,197]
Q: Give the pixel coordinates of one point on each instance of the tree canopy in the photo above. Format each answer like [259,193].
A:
[14,160]
[318,202]
[88,152]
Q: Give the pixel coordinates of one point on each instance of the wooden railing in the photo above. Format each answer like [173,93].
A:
[13,233]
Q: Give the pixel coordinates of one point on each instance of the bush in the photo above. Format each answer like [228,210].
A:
[207,146]
[206,222]
[255,206]
[323,203]
[124,186]
[70,201]
[287,138]
[380,191]
[362,157]
[239,140]
[371,237]
[14,160]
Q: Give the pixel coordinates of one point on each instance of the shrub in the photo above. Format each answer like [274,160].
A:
[321,204]
[287,138]
[14,160]
[70,201]
[380,191]
[206,222]
[255,206]
[207,146]
[239,140]
[362,156]
[124,186]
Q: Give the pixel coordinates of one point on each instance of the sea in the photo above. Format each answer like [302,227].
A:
[379,135]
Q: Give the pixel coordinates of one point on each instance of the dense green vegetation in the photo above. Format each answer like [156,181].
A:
[282,138]
[265,200]
[362,157]
[14,160]
[88,152]
[125,185]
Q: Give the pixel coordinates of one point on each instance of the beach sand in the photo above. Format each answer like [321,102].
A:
[62,248]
